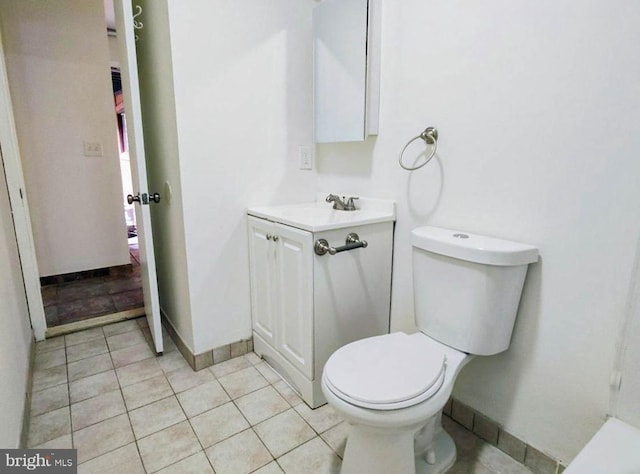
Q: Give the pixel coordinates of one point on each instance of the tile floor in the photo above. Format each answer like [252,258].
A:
[104,392]
[73,301]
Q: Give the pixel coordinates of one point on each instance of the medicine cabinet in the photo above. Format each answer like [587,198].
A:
[346,63]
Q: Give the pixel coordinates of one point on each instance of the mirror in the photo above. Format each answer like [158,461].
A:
[345,105]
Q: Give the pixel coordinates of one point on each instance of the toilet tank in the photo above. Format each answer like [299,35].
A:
[467,287]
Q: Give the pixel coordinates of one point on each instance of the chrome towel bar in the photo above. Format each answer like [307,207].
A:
[352,242]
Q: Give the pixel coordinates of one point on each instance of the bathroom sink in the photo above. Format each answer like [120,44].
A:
[319,216]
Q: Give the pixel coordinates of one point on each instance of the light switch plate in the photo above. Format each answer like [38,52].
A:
[92,148]
[305,153]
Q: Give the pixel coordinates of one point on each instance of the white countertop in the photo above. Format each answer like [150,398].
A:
[319,216]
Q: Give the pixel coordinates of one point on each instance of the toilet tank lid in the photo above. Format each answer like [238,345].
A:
[473,247]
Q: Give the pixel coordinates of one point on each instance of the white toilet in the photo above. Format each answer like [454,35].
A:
[392,388]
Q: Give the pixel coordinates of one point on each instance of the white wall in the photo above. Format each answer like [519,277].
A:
[58,64]
[537,108]
[15,336]
[242,75]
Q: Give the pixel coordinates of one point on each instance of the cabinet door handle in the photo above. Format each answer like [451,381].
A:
[275,238]
[269,236]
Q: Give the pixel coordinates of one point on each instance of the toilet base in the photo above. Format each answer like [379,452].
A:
[445,450]
[384,452]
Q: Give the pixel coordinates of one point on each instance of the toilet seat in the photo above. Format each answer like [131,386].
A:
[386,372]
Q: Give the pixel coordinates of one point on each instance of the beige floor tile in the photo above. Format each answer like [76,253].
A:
[142,322]
[49,399]
[267,372]
[168,446]
[63,442]
[138,371]
[50,344]
[469,467]
[83,336]
[129,355]
[336,437]
[86,349]
[121,327]
[47,378]
[147,391]
[253,358]
[126,339]
[321,418]
[156,416]
[49,359]
[146,332]
[119,461]
[172,361]
[93,385]
[96,409]
[196,464]
[187,378]
[287,392]
[48,426]
[221,426]
[86,367]
[202,398]
[262,404]
[497,461]
[218,424]
[311,458]
[241,454]
[242,382]
[284,432]
[102,437]
[271,468]
[230,366]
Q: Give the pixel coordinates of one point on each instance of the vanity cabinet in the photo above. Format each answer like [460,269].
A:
[306,306]
[281,265]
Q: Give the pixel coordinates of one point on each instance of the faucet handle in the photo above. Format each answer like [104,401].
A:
[331,198]
[350,205]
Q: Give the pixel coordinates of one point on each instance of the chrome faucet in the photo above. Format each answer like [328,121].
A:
[343,204]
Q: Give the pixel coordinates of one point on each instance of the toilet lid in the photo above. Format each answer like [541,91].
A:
[386,372]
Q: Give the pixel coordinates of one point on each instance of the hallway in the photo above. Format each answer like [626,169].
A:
[68,299]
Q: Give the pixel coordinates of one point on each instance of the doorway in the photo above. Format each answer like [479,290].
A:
[94,289]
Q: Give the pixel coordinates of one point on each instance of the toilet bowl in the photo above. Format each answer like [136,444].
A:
[393,402]
[391,389]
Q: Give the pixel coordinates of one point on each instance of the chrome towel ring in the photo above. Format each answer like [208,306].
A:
[430,137]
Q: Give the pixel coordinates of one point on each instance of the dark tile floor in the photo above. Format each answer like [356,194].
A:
[120,290]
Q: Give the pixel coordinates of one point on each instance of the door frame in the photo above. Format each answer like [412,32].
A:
[20,205]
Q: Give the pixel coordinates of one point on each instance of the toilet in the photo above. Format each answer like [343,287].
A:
[392,388]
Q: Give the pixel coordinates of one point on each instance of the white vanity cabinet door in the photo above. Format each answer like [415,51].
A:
[262,257]
[294,267]
[281,273]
